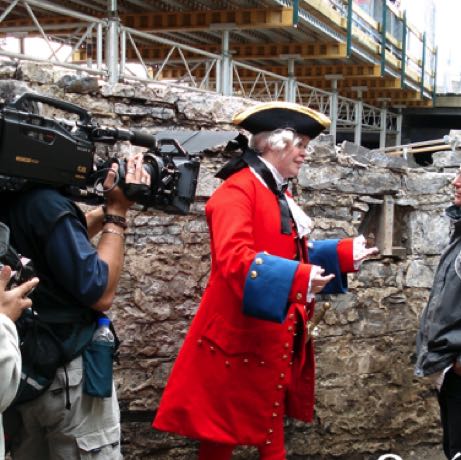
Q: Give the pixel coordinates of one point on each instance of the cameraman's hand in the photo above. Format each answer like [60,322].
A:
[117,202]
[14,301]
[135,172]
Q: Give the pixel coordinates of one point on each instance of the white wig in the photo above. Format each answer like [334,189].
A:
[277,140]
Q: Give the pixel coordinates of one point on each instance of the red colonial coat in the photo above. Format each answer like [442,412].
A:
[232,371]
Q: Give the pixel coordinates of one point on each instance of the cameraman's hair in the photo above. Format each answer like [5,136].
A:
[277,140]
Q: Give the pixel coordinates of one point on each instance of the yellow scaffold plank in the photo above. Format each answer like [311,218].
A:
[306,71]
[65,22]
[306,51]
[402,95]
[303,72]
[385,84]
[426,103]
[255,18]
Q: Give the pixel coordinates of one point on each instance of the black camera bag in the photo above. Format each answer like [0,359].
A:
[43,352]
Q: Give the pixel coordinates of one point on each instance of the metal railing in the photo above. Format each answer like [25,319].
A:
[189,68]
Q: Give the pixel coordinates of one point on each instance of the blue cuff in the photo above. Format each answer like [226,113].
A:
[267,287]
[325,254]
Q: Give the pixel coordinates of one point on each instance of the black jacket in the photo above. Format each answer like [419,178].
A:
[438,342]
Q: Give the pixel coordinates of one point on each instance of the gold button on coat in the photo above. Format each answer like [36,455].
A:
[258,261]
[254,274]
[299,296]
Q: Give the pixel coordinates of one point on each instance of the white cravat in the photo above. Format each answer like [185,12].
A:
[303,222]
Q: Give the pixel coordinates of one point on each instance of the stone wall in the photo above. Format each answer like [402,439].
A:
[368,401]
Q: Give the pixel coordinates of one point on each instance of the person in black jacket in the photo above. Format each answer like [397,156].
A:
[438,344]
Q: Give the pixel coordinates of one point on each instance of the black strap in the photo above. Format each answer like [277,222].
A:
[68,404]
[251,158]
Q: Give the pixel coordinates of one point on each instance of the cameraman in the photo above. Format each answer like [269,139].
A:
[12,303]
[78,283]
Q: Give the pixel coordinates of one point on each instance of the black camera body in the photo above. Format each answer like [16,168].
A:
[38,150]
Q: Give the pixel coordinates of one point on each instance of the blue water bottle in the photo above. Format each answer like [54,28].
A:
[98,361]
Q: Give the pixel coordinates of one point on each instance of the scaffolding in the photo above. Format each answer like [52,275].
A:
[108,44]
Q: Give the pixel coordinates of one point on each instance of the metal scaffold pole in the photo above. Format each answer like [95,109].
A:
[290,89]
[358,114]
[112,53]
[226,80]
[383,127]
[334,103]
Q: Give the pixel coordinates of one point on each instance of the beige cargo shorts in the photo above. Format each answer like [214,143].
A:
[89,430]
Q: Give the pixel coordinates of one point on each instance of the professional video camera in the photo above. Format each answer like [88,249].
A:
[22,268]
[35,149]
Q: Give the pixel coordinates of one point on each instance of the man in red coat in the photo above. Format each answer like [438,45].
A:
[247,360]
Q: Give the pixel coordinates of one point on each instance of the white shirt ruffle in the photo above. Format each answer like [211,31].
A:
[303,222]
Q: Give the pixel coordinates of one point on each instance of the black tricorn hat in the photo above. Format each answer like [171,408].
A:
[282,115]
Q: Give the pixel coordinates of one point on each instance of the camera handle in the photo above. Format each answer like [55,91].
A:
[109,135]
[176,144]
[85,116]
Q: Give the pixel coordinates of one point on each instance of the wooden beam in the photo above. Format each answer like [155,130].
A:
[385,232]
[255,18]
[241,52]
[313,75]
[376,94]
[314,72]
[385,84]
[426,103]
[58,25]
